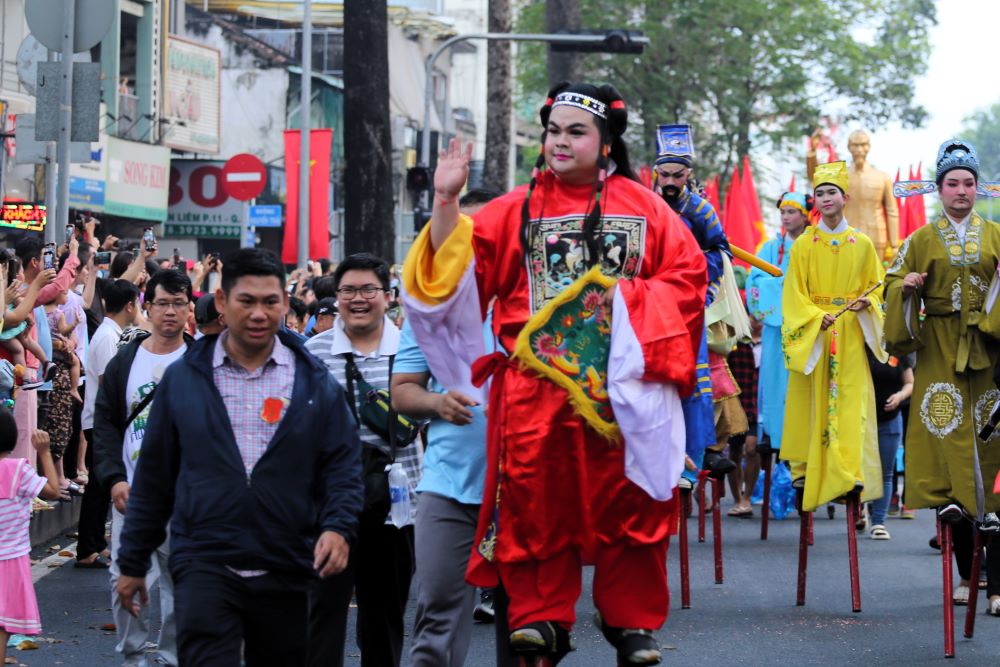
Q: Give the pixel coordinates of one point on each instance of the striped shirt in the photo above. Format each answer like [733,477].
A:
[19,483]
[329,347]
[250,395]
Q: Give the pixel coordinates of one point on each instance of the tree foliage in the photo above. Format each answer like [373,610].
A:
[753,74]
[982,129]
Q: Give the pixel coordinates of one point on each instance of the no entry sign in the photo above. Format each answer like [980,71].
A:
[243,177]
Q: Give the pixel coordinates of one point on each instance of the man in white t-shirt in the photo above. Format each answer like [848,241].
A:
[121,304]
[128,387]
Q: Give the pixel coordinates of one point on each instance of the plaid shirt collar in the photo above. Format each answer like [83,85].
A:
[388,345]
[280,354]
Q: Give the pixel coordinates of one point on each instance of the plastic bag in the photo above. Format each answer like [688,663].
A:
[782,493]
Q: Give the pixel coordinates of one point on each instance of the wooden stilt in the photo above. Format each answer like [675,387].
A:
[683,539]
[717,528]
[765,510]
[944,530]
[701,508]
[852,551]
[977,555]
[811,536]
[800,591]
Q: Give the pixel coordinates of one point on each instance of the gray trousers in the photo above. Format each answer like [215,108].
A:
[444,532]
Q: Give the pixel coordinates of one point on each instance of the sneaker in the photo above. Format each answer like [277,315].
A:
[951,513]
[990,523]
[907,514]
[484,612]
[878,532]
[685,484]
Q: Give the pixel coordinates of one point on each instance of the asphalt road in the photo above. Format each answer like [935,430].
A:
[751,619]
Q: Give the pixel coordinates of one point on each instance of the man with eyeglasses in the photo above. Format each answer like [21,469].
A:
[123,403]
[380,566]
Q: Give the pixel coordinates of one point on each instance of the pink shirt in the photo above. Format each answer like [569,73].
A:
[19,484]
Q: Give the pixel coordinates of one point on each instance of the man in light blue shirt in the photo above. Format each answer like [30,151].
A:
[451,491]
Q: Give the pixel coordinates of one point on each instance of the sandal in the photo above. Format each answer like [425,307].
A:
[878,532]
[543,638]
[98,563]
[994,606]
[634,646]
[740,512]
[961,596]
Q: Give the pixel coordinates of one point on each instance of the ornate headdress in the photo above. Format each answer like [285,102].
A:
[581,101]
[674,144]
[833,173]
[953,154]
[957,154]
[794,200]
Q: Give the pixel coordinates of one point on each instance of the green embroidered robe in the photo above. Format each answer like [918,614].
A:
[955,340]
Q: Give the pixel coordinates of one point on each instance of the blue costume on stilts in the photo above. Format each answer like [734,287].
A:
[675,145]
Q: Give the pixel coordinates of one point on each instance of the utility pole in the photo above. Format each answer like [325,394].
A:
[55,230]
[305,116]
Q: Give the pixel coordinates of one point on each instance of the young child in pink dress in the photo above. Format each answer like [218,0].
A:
[19,484]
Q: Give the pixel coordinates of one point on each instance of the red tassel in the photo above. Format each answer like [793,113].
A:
[833,343]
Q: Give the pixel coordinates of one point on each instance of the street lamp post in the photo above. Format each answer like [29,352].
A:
[612,38]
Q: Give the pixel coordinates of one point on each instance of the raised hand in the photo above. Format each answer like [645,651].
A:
[452,169]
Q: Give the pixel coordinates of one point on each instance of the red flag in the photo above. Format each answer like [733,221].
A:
[905,227]
[712,194]
[737,225]
[320,143]
[791,184]
[752,203]
[919,212]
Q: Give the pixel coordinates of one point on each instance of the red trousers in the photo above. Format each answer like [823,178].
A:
[630,587]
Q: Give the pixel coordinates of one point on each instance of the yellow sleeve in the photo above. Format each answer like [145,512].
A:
[432,277]
[802,318]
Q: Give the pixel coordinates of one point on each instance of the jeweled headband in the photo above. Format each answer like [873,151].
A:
[581,101]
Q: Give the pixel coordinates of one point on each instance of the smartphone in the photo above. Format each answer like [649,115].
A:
[49,256]
[291,286]
[177,258]
[102,258]
[70,231]
[148,239]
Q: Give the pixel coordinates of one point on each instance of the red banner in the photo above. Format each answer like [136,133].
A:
[320,143]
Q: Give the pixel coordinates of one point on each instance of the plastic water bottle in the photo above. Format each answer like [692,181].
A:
[399,495]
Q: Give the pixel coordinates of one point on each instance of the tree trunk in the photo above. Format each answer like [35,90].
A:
[369,224]
[496,171]
[563,15]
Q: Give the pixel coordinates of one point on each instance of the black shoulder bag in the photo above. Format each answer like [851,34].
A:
[373,408]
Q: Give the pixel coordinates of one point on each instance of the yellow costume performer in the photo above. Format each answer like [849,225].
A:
[833,443]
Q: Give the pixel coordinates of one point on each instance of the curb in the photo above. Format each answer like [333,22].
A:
[50,524]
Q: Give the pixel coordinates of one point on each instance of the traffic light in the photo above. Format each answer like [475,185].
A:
[420,218]
[615,41]
[418,179]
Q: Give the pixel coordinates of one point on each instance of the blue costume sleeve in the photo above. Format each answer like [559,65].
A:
[700,217]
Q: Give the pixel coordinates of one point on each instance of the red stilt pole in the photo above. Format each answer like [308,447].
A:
[944,530]
[977,554]
[811,536]
[683,537]
[701,507]
[800,592]
[717,528]
[765,510]
[852,551]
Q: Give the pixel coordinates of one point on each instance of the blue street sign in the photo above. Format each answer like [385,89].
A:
[266,215]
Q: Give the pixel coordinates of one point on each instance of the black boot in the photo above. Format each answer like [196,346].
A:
[717,464]
[634,646]
[542,638]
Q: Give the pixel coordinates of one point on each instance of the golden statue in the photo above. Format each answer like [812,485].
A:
[872,208]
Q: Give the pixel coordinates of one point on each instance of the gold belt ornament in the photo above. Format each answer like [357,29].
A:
[837,301]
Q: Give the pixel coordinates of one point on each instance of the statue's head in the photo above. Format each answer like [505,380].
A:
[859,144]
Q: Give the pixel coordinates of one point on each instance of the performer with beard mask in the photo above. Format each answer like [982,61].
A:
[675,152]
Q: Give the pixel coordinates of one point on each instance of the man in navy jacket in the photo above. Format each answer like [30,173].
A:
[252,455]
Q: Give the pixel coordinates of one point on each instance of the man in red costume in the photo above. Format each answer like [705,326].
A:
[559,494]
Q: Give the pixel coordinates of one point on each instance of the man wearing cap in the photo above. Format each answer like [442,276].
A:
[326,313]
[675,153]
[206,316]
[948,267]
[829,317]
